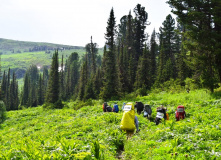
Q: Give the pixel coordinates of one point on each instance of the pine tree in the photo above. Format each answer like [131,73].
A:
[13,92]
[153,55]
[40,91]
[72,74]
[61,74]
[143,72]
[52,95]
[110,87]
[129,54]
[26,90]
[140,26]
[203,24]
[83,80]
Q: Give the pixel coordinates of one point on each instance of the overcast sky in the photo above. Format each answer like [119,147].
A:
[70,22]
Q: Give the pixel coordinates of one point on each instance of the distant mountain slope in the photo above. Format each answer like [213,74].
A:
[19,55]
[13,46]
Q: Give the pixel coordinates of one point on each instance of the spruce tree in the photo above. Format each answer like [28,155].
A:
[153,55]
[110,88]
[52,95]
[203,23]
[141,17]
[143,72]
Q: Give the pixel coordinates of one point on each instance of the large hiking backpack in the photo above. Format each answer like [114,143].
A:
[180,113]
[147,109]
[127,122]
[109,109]
[115,108]
[140,106]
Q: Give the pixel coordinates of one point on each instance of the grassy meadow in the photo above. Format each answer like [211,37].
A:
[83,131]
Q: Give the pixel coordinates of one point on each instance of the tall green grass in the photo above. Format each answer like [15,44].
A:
[83,131]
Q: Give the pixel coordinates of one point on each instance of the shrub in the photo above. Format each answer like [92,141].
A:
[2,112]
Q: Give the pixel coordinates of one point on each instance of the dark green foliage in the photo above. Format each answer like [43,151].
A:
[13,94]
[110,84]
[153,55]
[10,91]
[2,112]
[83,80]
[202,20]
[41,91]
[143,72]
[52,95]
[30,93]
[139,27]
[71,74]
[97,83]
[92,50]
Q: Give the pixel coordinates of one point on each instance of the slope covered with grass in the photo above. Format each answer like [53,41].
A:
[88,133]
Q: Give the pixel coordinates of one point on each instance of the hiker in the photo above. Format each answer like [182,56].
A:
[139,106]
[123,106]
[108,109]
[147,111]
[105,107]
[180,113]
[115,108]
[129,121]
[161,113]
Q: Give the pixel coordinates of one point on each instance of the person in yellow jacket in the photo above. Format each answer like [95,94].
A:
[129,121]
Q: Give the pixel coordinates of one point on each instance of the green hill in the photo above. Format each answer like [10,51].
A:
[19,55]
[86,133]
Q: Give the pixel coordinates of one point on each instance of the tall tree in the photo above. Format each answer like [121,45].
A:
[141,17]
[52,95]
[202,19]
[153,55]
[143,72]
[110,87]
[13,91]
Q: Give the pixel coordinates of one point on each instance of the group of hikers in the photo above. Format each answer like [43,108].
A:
[129,121]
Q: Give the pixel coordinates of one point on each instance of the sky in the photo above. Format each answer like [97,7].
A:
[71,22]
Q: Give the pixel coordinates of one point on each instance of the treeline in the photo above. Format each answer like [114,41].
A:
[186,52]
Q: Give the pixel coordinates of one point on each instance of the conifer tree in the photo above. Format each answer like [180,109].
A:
[83,80]
[40,91]
[110,87]
[52,95]
[13,94]
[129,54]
[143,72]
[203,22]
[72,74]
[26,90]
[153,55]
[61,74]
[140,25]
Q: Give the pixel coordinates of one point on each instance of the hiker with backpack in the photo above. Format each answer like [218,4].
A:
[139,106]
[161,113]
[147,111]
[105,106]
[115,108]
[180,113]
[108,109]
[129,121]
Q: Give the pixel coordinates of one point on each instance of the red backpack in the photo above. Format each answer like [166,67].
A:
[180,113]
